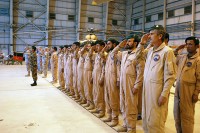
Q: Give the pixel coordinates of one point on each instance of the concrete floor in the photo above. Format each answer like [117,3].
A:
[45,109]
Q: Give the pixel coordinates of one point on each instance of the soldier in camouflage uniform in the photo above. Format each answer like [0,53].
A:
[45,61]
[33,63]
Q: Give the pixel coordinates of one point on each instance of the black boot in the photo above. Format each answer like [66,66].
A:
[34,84]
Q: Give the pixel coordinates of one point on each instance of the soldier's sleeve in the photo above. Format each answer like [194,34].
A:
[103,70]
[139,74]
[62,61]
[141,52]
[118,70]
[116,52]
[169,72]
[197,89]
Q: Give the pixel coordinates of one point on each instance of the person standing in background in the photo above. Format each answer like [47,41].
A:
[27,53]
[54,65]
[45,61]
[33,63]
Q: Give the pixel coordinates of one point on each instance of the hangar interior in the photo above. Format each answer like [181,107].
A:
[61,22]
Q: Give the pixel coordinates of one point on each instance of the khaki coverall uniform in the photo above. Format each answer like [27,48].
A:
[65,69]
[54,66]
[69,73]
[187,84]
[159,76]
[98,75]
[131,77]
[75,76]
[61,70]
[112,72]
[88,68]
[80,69]
[45,62]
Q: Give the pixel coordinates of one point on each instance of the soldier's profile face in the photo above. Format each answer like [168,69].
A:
[191,47]
[129,43]
[154,36]
[109,45]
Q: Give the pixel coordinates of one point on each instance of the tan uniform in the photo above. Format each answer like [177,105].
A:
[54,66]
[75,76]
[45,62]
[65,70]
[187,84]
[98,75]
[27,60]
[112,68]
[131,77]
[159,76]
[69,74]
[61,70]
[80,69]
[88,67]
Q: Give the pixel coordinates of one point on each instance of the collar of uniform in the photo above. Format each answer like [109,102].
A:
[160,47]
[194,56]
[132,52]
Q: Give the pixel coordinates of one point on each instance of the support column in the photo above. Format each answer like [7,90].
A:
[193,17]
[47,25]
[165,14]
[143,15]
[78,12]
[11,28]
[105,18]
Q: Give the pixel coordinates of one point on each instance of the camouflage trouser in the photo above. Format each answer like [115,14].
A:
[28,67]
[34,74]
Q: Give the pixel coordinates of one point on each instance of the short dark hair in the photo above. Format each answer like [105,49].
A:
[196,40]
[34,48]
[112,40]
[61,47]
[55,48]
[66,46]
[160,30]
[167,36]
[100,42]
[77,44]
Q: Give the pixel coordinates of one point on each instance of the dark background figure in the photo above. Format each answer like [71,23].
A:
[33,63]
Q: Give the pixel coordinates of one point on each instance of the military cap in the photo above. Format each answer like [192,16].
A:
[157,27]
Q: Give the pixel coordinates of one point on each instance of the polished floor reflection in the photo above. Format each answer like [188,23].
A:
[45,109]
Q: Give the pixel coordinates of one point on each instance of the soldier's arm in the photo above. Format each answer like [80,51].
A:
[169,72]
[197,89]
[118,70]
[139,74]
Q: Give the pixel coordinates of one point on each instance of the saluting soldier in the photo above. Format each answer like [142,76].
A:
[98,80]
[111,85]
[54,65]
[33,63]
[61,68]
[187,86]
[159,76]
[131,80]
[45,61]
[75,48]
[80,69]
[88,81]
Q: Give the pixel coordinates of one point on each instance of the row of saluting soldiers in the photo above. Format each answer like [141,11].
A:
[130,78]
